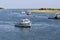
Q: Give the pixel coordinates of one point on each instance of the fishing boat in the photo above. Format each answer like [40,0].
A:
[24,23]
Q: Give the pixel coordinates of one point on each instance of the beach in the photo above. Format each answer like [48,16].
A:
[46,11]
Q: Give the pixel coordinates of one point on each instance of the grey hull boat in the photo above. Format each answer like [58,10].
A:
[56,16]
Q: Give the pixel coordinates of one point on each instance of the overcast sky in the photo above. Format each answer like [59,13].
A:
[30,3]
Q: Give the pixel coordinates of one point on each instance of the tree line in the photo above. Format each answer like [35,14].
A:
[48,9]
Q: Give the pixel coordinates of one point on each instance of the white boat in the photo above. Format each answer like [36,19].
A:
[24,23]
[57,16]
[28,12]
[23,12]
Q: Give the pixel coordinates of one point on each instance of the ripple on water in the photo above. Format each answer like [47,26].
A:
[41,29]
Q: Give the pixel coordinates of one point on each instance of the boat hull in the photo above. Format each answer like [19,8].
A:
[53,18]
[56,16]
[26,25]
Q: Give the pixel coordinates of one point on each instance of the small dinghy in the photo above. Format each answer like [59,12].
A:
[24,23]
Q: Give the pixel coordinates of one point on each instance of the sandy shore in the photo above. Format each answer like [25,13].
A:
[46,11]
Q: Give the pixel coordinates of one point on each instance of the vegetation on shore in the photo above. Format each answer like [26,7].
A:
[46,10]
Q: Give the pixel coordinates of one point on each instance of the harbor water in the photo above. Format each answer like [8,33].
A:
[42,28]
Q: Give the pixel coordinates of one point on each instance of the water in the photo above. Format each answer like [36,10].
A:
[42,28]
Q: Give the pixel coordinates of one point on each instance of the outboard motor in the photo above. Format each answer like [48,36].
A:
[56,17]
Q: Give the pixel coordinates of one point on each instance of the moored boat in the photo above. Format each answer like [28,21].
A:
[56,16]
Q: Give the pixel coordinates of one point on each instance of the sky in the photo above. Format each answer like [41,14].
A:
[30,4]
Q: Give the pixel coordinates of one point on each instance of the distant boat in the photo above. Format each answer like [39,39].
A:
[28,12]
[22,11]
[24,23]
[56,16]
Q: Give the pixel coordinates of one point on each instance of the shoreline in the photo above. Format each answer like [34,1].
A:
[46,11]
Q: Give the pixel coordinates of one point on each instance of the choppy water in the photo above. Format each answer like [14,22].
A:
[42,28]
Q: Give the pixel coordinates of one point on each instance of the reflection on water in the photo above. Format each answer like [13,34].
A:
[25,29]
